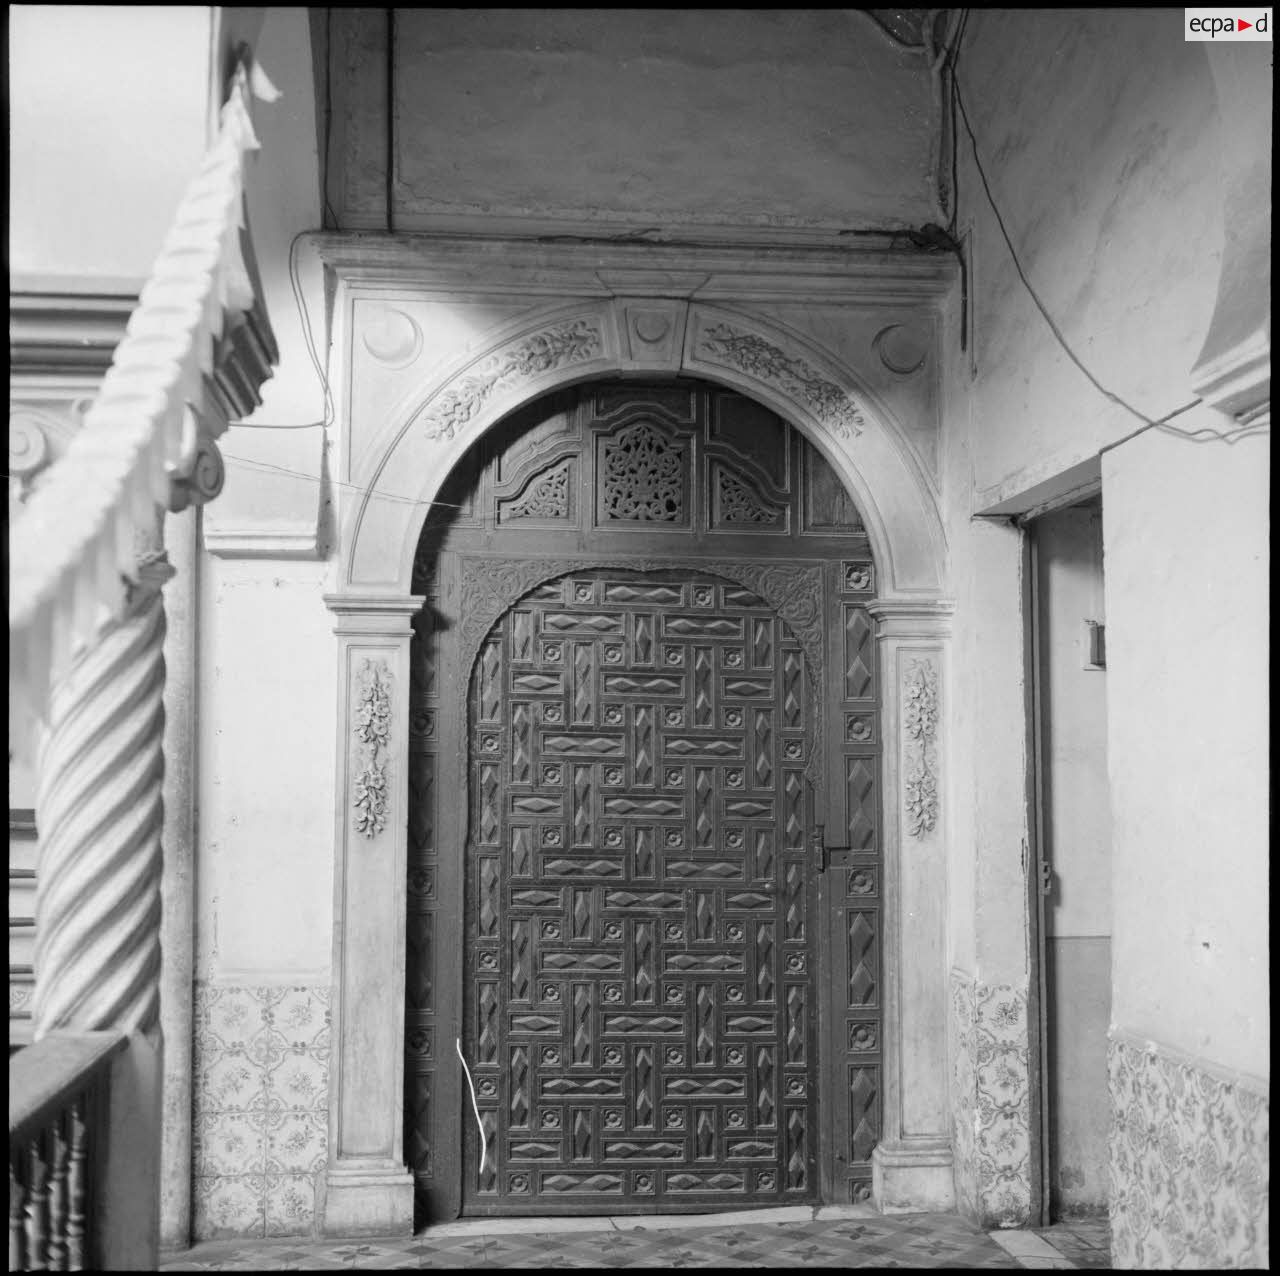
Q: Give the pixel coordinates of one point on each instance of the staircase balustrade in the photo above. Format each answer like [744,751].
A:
[86,627]
[147,443]
[57,1095]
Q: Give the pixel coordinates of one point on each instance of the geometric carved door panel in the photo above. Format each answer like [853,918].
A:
[613,902]
[640,1023]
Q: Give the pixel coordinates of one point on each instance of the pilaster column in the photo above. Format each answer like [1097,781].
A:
[178,920]
[97,958]
[368,1190]
[911,1167]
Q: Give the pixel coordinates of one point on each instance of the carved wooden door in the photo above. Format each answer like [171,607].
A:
[639,1018]
[646,649]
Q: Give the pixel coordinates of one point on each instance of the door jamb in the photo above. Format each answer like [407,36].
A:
[1036,869]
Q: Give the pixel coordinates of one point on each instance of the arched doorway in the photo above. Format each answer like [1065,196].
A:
[655,843]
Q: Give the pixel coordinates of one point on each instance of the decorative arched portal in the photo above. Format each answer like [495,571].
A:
[367,1187]
[657,595]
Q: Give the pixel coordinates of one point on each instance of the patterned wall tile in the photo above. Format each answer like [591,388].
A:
[964,1095]
[1003,1075]
[1189,1161]
[290,1204]
[991,1101]
[260,1119]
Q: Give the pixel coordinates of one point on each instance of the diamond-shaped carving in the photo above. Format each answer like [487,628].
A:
[642,759]
[521,973]
[859,653]
[703,792]
[519,1086]
[796,1158]
[862,959]
[702,707]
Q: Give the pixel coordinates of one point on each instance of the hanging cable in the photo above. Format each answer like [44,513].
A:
[1203,435]
[391,120]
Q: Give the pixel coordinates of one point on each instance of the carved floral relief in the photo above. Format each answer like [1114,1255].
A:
[372,731]
[574,341]
[920,732]
[793,375]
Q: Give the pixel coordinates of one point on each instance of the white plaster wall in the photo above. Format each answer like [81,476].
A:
[1188,632]
[1098,130]
[1108,183]
[107,119]
[771,117]
[987,814]
[266,739]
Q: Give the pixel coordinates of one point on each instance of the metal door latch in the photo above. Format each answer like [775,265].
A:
[824,856]
[1046,878]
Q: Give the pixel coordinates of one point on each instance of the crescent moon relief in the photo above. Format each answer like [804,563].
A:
[883,344]
[393,338]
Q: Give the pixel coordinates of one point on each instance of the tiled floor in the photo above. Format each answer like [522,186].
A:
[842,1236]
[1085,1241]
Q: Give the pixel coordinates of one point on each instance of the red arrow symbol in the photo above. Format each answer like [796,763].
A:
[1242,25]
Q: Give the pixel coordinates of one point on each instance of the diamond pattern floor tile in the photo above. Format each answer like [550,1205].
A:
[928,1240]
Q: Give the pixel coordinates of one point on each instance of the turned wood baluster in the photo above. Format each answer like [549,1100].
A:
[17,1212]
[58,1197]
[37,1208]
[75,1188]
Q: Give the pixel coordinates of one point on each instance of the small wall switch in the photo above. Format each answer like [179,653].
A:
[1095,644]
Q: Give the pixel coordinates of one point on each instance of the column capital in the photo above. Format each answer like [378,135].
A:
[368,614]
[912,617]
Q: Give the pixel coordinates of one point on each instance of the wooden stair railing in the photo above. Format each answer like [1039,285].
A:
[57,1091]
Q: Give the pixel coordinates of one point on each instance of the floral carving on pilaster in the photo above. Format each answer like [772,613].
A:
[794,376]
[920,730]
[574,341]
[373,733]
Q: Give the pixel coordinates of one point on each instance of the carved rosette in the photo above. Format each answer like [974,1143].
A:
[793,376]
[920,732]
[97,957]
[372,731]
[574,341]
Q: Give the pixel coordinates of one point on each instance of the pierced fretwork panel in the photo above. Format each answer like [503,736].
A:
[639,1022]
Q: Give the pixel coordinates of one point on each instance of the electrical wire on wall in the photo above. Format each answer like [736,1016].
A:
[329,219]
[390,162]
[1203,435]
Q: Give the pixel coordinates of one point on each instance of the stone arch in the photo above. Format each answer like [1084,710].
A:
[566,344]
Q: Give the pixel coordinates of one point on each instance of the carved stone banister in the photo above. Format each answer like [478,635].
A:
[194,352]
